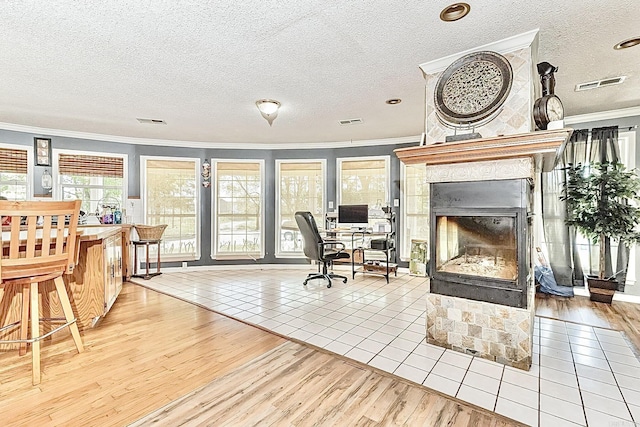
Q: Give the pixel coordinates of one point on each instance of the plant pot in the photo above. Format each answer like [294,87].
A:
[601,290]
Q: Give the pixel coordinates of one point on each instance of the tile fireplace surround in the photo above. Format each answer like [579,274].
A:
[491,331]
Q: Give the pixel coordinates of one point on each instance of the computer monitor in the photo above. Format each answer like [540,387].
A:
[353,216]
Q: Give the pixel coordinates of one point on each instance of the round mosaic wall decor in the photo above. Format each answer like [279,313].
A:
[473,88]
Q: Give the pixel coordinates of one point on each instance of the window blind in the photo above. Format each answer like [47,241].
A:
[85,165]
[238,167]
[361,165]
[171,165]
[13,161]
[306,166]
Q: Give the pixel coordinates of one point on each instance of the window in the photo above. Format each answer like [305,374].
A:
[97,179]
[363,181]
[171,195]
[14,176]
[238,209]
[415,211]
[301,187]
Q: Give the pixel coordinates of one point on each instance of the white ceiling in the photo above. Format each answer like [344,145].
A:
[96,66]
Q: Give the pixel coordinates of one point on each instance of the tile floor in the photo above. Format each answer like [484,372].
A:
[581,376]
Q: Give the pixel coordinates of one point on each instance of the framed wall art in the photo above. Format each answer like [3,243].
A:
[473,88]
[42,148]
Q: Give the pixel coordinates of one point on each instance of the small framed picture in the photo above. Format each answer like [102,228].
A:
[42,147]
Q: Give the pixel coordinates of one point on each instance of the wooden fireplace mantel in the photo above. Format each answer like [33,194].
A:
[545,146]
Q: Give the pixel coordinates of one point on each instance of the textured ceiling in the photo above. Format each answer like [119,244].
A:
[200,65]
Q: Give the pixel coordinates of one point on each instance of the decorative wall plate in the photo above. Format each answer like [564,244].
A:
[473,87]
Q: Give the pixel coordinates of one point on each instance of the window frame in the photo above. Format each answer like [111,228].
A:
[214,212]
[405,238]
[198,211]
[30,165]
[56,191]
[278,222]
[387,167]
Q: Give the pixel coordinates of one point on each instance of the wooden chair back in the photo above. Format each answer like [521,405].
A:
[39,238]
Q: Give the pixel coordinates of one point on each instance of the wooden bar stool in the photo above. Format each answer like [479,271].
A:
[32,254]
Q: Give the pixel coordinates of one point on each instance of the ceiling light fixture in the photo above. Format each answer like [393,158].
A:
[627,43]
[393,101]
[268,108]
[455,11]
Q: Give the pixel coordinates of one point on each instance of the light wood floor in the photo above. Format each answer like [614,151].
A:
[294,385]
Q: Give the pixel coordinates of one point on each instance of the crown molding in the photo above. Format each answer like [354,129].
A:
[203,144]
[510,44]
[602,115]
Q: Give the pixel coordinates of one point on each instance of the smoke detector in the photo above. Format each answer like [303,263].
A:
[152,121]
[600,83]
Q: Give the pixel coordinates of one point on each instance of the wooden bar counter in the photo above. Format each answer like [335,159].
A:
[93,287]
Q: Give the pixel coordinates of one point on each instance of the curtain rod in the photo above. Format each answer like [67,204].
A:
[625,128]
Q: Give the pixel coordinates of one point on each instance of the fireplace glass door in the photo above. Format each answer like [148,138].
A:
[480,245]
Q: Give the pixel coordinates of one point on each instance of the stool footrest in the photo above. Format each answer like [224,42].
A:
[41,337]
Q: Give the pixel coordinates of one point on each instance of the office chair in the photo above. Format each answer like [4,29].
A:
[318,249]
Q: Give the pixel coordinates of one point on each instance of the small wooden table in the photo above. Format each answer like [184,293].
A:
[145,243]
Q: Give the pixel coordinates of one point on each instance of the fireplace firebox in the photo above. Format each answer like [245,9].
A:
[480,240]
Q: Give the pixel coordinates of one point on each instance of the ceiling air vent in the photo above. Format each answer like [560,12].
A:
[152,121]
[600,83]
[351,122]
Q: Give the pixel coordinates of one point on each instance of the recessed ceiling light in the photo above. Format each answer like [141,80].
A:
[627,43]
[455,11]
[393,101]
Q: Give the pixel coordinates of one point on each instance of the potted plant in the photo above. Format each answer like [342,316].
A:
[597,197]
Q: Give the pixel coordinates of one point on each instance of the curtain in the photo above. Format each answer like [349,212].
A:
[562,240]
[604,145]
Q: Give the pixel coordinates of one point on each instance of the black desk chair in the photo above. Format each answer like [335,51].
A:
[318,249]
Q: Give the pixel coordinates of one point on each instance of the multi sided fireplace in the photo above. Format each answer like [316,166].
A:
[480,240]
[482,299]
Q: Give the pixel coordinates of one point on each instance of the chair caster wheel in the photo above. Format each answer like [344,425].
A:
[344,280]
[304,283]
[329,285]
